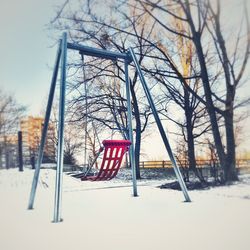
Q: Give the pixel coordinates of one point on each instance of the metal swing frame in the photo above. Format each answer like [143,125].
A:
[61,58]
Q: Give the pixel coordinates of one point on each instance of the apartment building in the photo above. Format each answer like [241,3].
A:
[31,128]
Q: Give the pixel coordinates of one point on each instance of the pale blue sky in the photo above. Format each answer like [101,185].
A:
[25,56]
[25,53]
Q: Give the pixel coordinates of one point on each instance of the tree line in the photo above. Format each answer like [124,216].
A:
[194,65]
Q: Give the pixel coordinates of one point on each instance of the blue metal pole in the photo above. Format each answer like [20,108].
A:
[89,51]
[86,112]
[130,129]
[60,147]
[160,127]
[45,129]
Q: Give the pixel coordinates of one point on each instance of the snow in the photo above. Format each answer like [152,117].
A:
[105,215]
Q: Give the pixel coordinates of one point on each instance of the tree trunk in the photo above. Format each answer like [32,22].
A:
[227,160]
[138,133]
[190,137]
[210,106]
[231,172]
[137,151]
[230,168]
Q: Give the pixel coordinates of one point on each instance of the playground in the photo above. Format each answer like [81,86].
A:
[142,140]
[105,215]
[107,211]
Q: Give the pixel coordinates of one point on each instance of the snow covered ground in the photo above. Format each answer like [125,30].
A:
[105,216]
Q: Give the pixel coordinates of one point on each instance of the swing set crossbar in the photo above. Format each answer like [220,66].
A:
[101,53]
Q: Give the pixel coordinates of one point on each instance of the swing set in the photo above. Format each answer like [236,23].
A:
[114,150]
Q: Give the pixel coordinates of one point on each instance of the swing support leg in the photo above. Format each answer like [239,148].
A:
[130,129]
[160,127]
[60,151]
[45,129]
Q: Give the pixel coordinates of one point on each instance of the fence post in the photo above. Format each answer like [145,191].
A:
[20,151]
[33,162]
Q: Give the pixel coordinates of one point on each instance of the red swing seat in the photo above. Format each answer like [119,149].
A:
[114,151]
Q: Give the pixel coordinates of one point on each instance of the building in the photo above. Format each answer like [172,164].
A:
[31,128]
[8,151]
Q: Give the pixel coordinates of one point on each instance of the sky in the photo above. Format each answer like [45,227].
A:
[27,53]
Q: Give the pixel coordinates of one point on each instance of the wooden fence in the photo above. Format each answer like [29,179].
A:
[240,163]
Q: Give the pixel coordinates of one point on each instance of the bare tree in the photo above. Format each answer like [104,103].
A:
[134,23]
[108,105]
[217,64]
[10,114]
[73,136]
